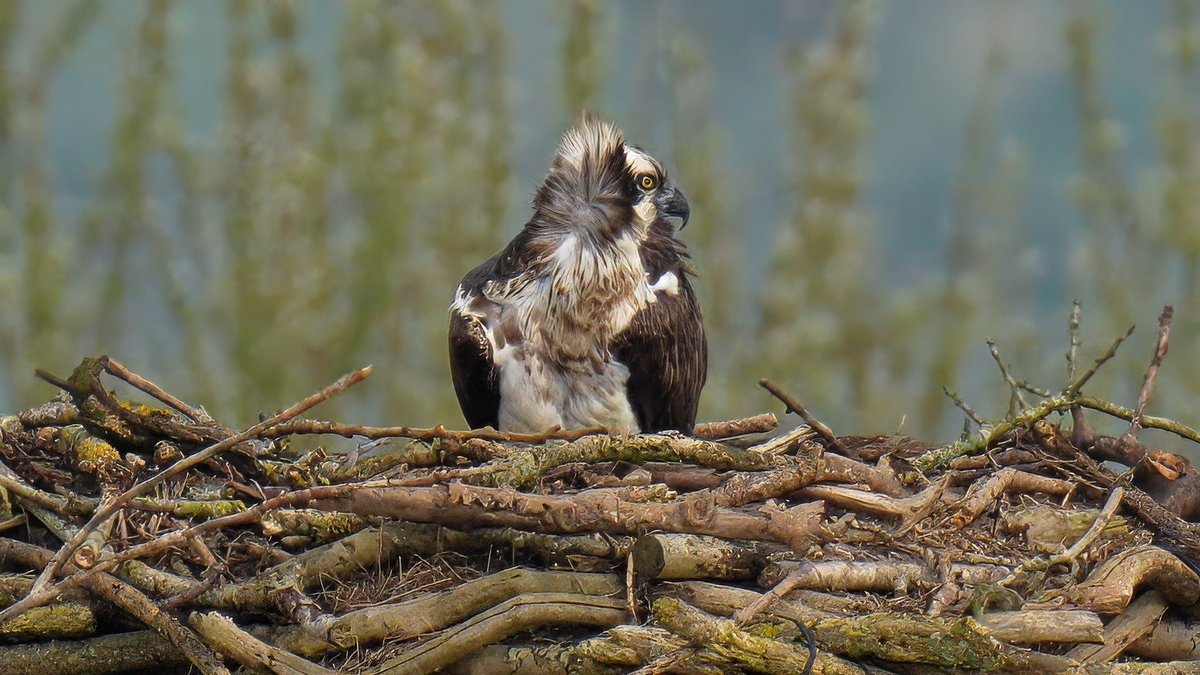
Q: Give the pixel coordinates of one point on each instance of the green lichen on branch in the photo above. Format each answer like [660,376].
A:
[724,637]
[1026,418]
[117,653]
[316,526]
[91,454]
[64,620]
[901,638]
[526,465]
[986,437]
[195,509]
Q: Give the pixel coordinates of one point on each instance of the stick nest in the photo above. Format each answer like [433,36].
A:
[138,536]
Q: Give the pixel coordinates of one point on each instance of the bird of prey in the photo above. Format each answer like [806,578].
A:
[588,317]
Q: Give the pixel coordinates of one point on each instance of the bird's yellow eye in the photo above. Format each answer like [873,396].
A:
[647,181]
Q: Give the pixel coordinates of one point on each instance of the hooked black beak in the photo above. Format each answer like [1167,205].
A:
[672,203]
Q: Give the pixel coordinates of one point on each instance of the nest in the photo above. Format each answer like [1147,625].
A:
[142,536]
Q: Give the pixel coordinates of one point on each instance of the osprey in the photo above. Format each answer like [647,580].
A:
[588,317]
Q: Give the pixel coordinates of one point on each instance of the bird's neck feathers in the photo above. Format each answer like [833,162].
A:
[588,192]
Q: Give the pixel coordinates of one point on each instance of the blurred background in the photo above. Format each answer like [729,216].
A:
[241,200]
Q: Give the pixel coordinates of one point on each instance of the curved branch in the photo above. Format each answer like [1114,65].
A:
[520,614]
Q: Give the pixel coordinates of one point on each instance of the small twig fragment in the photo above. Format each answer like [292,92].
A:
[1073,330]
[1160,352]
[1077,549]
[759,424]
[1008,378]
[319,427]
[118,370]
[1076,385]
[794,406]
[963,406]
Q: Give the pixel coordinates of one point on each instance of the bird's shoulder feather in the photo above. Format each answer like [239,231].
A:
[665,348]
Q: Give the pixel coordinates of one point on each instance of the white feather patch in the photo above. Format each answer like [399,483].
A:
[462,303]
[637,161]
[668,283]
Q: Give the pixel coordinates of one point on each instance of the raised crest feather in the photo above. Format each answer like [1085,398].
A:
[588,185]
[590,141]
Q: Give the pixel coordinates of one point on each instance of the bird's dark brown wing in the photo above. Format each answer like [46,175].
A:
[667,355]
[476,378]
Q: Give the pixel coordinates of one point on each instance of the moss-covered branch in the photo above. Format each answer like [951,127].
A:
[118,653]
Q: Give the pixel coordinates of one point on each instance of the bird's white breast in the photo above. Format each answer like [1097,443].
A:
[536,394]
[550,336]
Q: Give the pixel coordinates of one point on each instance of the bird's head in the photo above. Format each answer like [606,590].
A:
[604,187]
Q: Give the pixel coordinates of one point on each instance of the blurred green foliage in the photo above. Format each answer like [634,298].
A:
[327,229]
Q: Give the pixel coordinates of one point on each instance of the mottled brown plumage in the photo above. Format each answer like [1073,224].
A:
[588,316]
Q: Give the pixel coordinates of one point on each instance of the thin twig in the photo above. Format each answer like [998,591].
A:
[189,596]
[1067,399]
[1051,405]
[1073,329]
[1110,507]
[665,663]
[794,406]
[758,424]
[57,381]
[116,369]
[631,587]
[136,604]
[1077,384]
[521,613]
[1160,352]
[314,427]
[1036,391]
[16,521]
[127,598]
[172,428]
[73,505]
[963,406]
[779,590]
[788,584]
[1146,421]
[1004,372]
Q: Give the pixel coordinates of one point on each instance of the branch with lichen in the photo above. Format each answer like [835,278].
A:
[1025,419]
